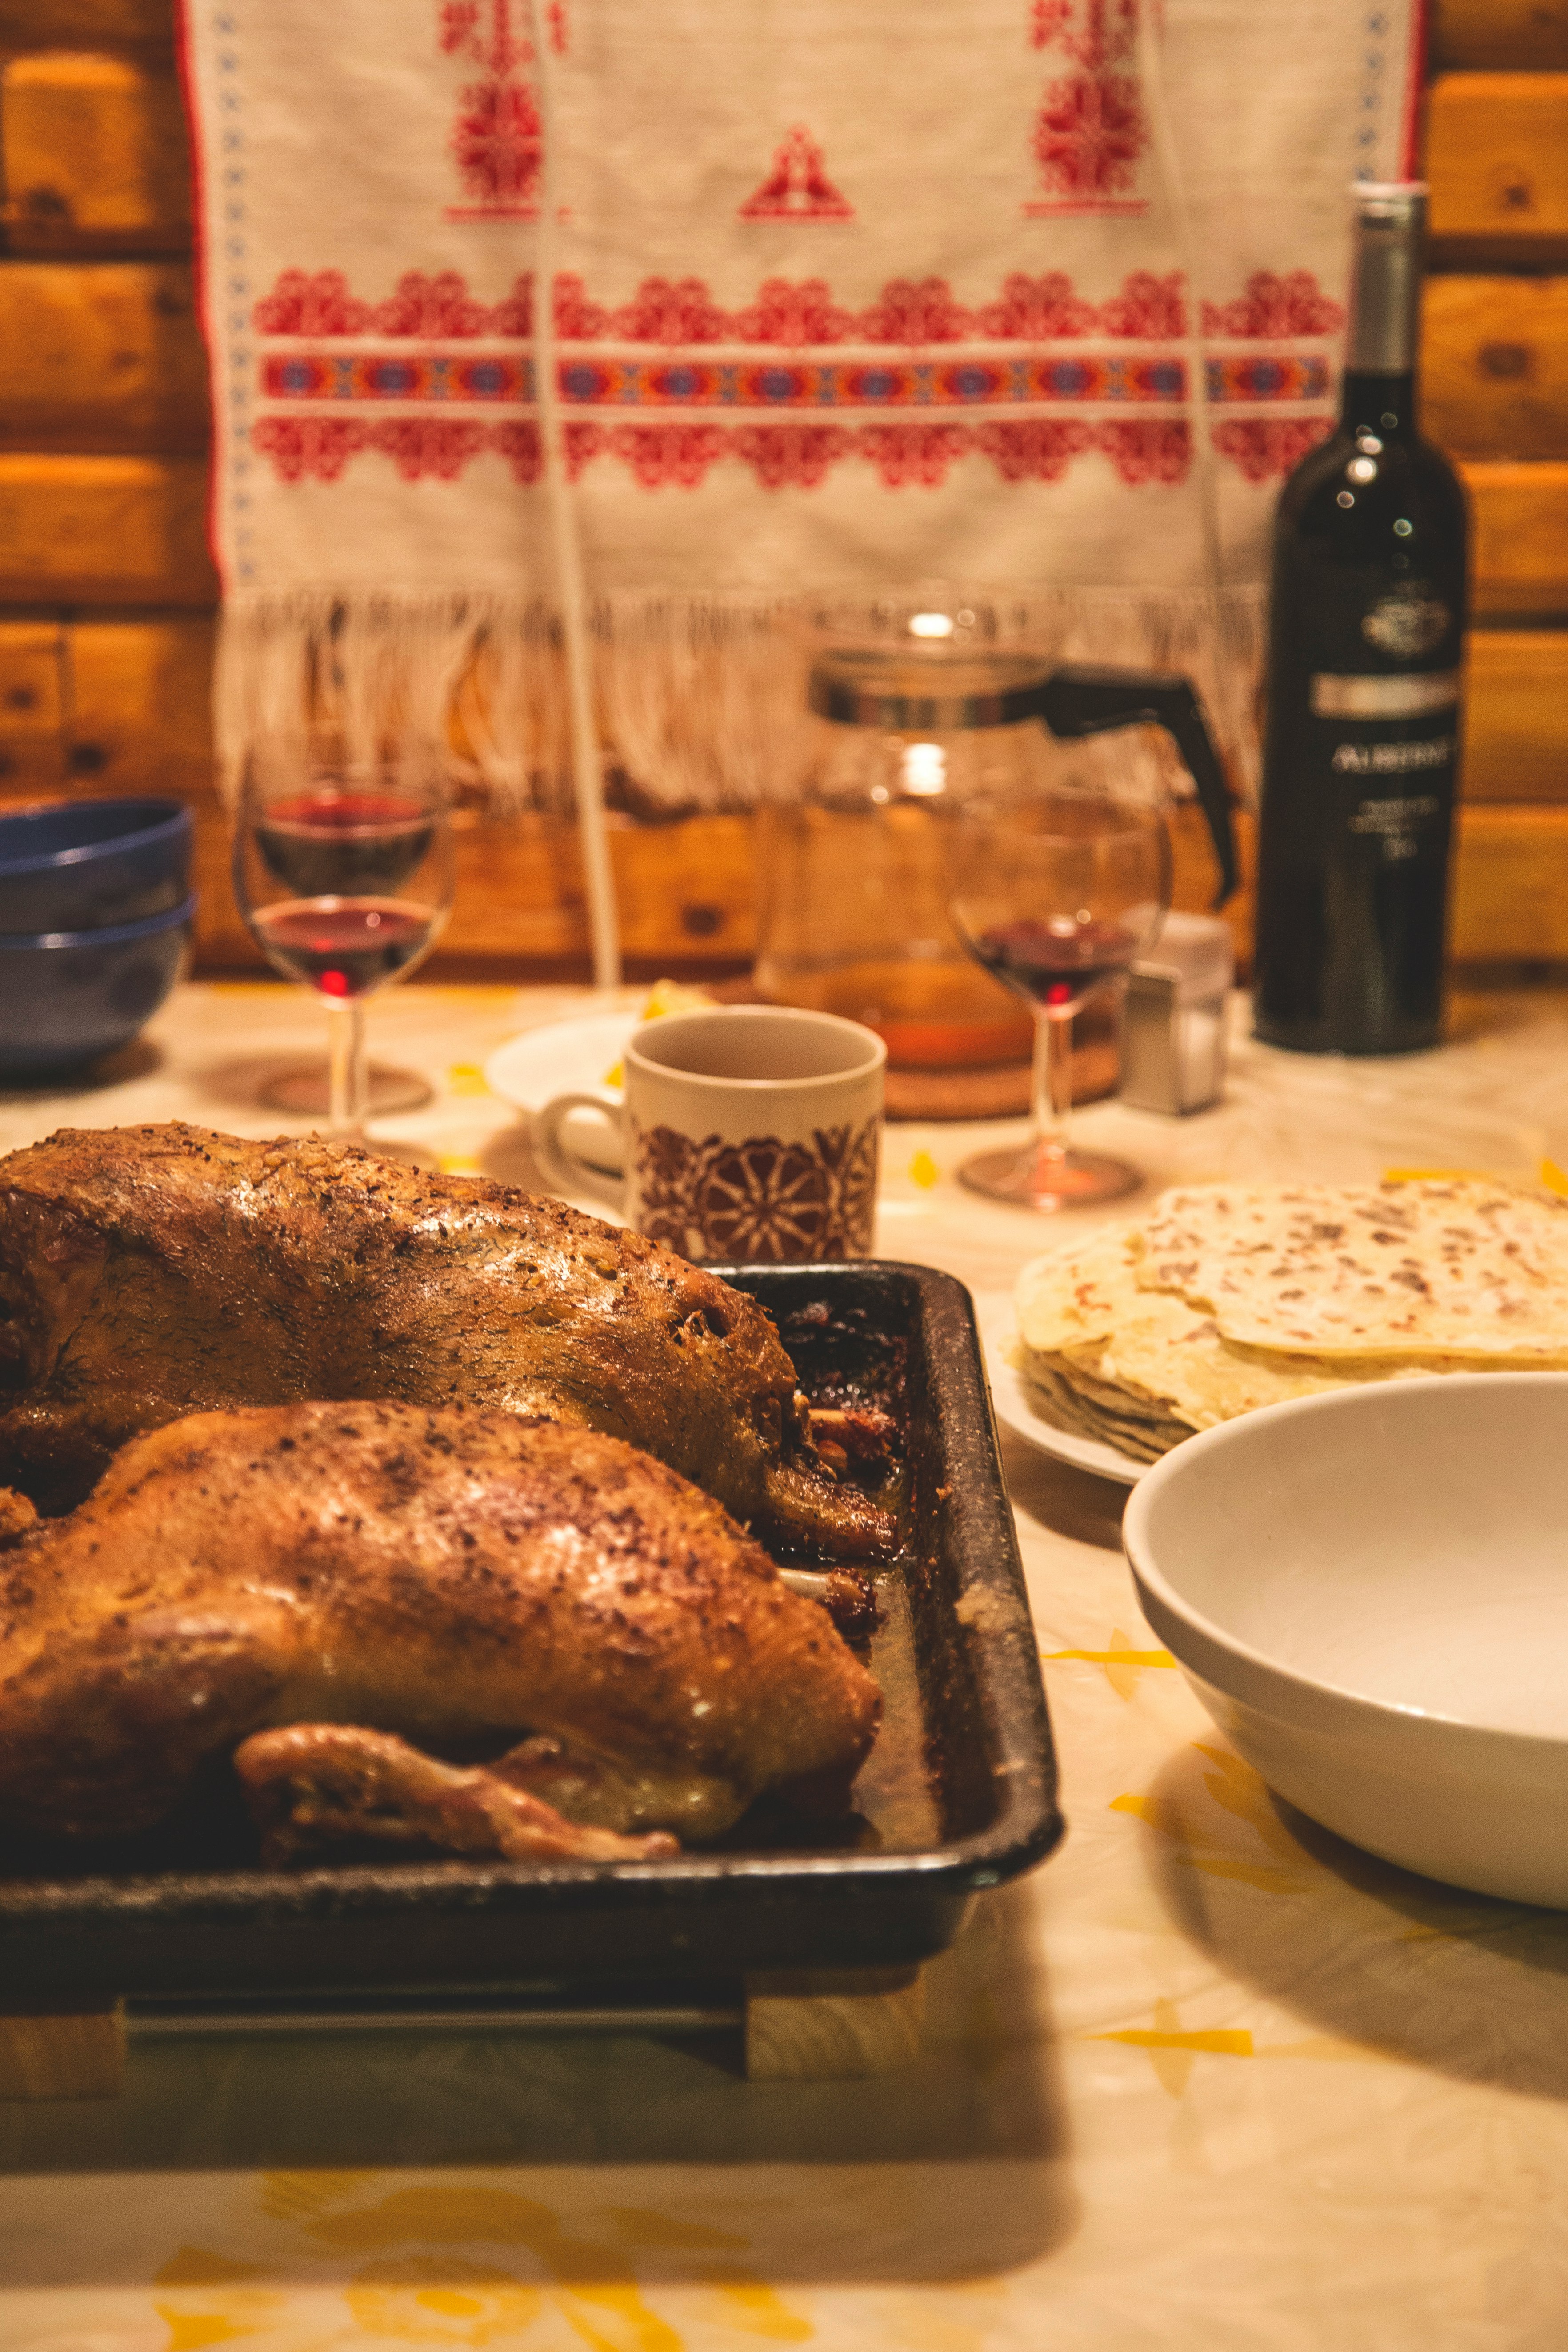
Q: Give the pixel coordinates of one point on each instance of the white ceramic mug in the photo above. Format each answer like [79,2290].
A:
[750,1131]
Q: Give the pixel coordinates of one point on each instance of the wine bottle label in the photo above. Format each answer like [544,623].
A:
[1396,825]
[1383,698]
[1407,622]
[1391,759]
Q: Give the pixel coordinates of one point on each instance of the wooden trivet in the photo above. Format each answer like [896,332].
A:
[809,2026]
[999,1090]
[988,1090]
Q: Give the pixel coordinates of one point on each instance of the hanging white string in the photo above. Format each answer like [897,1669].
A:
[1150,73]
[587,769]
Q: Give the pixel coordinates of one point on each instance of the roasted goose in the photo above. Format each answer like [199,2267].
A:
[458,1578]
[154,1271]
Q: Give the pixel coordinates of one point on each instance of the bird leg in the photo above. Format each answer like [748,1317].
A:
[316,1785]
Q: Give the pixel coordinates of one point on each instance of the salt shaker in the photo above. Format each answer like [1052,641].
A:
[1172,1044]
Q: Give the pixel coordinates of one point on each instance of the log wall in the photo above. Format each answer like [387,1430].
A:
[107,590]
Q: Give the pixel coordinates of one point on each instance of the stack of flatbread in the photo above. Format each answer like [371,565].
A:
[1228,1297]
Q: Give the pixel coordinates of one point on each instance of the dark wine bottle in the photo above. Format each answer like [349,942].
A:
[1366,621]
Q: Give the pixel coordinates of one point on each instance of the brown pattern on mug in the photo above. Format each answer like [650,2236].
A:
[761,1198]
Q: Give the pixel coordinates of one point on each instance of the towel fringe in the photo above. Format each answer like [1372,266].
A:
[700,701]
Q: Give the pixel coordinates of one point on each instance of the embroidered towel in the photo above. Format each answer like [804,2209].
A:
[1037,295]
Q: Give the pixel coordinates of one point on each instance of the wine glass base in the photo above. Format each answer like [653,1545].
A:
[307,1092]
[1047,1181]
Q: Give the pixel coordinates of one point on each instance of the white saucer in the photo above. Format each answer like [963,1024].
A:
[563,1057]
[1018,1410]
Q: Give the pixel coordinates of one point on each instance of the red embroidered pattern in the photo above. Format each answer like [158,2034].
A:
[658,453]
[680,312]
[913,453]
[498,140]
[1152,310]
[1275,308]
[1266,446]
[1090,131]
[308,448]
[797,188]
[1038,451]
[787,456]
[434,360]
[1146,450]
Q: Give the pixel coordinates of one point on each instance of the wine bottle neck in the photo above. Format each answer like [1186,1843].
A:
[1378,403]
[1386,280]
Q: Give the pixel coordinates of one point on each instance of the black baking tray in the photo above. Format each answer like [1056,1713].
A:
[959,1793]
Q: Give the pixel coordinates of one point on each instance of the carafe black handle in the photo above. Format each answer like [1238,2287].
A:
[1084,699]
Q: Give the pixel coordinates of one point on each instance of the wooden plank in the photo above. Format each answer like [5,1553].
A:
[32,710]
[131,530]
[814,2028]
[104,530]
[520,899]
[131,714]
[1520,559]
[1511,885]
[1495,366]
[138,716]
[94,154]
[1511,901]
[1517,35]
[1497,158]
[85,24]
[1515,715]
[101,357]
[121,705]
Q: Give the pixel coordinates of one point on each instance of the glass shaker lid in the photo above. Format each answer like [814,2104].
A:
[906,692]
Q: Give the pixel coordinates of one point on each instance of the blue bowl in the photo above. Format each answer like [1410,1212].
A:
[82,866]
[67,996]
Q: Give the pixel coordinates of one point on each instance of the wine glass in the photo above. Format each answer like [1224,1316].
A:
[343,876]
[1056,898]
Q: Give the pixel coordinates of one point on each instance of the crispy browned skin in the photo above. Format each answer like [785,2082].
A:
[457,1578]
[149,1272]
[316,1785]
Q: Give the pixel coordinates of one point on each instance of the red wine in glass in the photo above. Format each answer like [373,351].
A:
[1057,898]
[326,842]
[343,874]
[1055,964]
[345,949]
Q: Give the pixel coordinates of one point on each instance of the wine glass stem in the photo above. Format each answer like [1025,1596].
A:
[346,1022]
[1053,1083]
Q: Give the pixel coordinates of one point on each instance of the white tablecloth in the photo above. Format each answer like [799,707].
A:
[1209,2079]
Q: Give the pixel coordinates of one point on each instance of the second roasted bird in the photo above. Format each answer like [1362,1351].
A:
[412,1585]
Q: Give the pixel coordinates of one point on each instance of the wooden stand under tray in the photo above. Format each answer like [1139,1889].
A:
[807,2026]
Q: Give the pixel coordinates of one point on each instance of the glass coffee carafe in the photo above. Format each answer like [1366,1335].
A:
[919,743]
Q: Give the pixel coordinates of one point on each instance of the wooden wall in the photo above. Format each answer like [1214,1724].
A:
[107,590]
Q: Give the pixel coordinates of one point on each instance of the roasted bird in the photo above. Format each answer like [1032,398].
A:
[154,1271]
[461,1579]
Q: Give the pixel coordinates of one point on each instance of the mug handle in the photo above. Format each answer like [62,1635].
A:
[564,1167]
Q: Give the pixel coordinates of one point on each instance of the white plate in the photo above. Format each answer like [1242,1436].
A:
[565,1058]
[1016,1411]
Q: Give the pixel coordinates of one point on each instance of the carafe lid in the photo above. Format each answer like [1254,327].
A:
[908,692]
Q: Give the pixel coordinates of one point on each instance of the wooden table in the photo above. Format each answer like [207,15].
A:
[1209,2079]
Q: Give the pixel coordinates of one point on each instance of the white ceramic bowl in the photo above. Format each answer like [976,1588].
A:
[1369,1592]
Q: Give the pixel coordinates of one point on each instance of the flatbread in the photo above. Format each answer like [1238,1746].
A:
[1426,1271]
[1065,1405]
[1227,1297]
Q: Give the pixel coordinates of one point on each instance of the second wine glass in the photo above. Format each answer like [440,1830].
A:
[1056,898]
[344,879]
